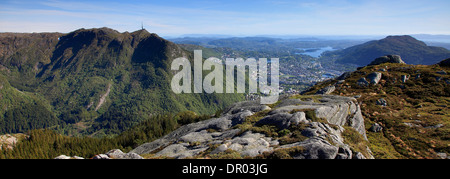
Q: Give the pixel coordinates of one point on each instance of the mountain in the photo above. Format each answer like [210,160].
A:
[100,81]
[405,107]
[410,49]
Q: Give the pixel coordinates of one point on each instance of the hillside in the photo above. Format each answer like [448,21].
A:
[22,111]
[406,107]
[100,81]
[410,49]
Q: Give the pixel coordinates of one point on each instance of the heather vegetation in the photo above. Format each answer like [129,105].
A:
[414,119]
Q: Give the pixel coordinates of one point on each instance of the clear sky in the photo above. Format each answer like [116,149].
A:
[231,17]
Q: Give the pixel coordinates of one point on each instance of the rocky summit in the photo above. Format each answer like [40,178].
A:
[299,127]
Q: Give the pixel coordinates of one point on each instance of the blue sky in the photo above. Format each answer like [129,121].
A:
[231,17]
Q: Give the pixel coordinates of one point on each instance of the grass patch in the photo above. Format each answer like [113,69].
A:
[314,98]
[288,153]
[227,154]
[355,140]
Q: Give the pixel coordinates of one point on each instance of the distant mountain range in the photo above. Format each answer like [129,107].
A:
[410,49]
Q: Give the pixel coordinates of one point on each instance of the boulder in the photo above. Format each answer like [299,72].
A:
[63,157]
[101,156]
[404,78]
[180,151]
[442,72]
[326,90]
[362,82]
[344,76]
[359,155]
[314,148]
[251,144]
[68,157]
[381,102]
[118,154]
[282,120]
[376,128]
[374,77]
[387,59]
[192,137]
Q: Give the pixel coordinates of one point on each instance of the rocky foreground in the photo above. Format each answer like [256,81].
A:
[299,127]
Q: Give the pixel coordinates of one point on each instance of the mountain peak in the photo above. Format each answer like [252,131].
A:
[403,40]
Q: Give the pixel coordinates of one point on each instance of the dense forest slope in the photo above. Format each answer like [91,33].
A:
[95,81]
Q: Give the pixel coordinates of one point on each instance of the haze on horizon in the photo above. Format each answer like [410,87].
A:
[231,17]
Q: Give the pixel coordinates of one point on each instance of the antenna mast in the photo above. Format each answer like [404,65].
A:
[142,25]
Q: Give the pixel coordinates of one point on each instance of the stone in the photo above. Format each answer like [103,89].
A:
[299,117]
[221,148]
[412,124]
[326,90]
[442,72]
[374,77]
[344,76]
[314,148]
[251,144]
[235,147]
[180,151]
[417,76]
[443,155]
[382,102]
[63,157]
[362,82]
[280,120]
[8,141]
[239,118]
[201,136]
[387,59]
[376,128]
[344,152]
[435,126]
[118,154]
[101,156]
[359,155]
[404,78]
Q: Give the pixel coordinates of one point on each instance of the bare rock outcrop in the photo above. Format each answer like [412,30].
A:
[387,59]
[321,121]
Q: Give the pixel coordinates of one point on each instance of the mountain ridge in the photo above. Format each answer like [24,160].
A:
[412,51]
[73,71]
